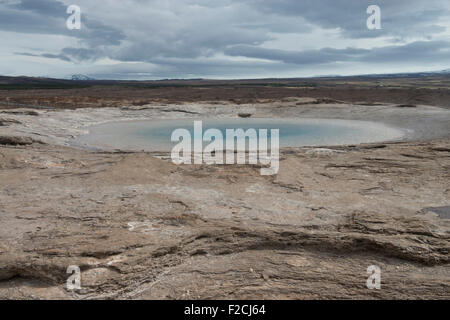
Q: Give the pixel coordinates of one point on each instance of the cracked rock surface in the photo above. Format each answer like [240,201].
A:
[140,227]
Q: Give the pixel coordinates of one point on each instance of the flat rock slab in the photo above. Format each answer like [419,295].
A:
[141,227]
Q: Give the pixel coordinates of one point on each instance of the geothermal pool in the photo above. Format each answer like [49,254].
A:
[155,135]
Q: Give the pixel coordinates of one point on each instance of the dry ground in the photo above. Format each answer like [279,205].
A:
[141,227]
[431,90]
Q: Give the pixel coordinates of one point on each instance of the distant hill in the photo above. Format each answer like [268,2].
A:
[405,75]
[82,81]
[23,82]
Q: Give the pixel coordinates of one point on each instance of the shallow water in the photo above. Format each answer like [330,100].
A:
[155,135]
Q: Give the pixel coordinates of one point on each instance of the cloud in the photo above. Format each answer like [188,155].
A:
[80,54]
[420,51]
[49,17]
[197,38]
[324,55]
[46,55]
[398,18]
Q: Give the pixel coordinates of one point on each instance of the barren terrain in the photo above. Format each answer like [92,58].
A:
[431,90]
[141,227]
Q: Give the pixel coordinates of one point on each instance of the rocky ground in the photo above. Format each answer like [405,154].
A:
[140,227]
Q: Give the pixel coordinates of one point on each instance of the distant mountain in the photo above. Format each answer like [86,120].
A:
[406,74]
[81,77]
[83,80]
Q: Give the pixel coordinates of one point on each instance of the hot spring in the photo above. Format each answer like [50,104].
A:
[155,135]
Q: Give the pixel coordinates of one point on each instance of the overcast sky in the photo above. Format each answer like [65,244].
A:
[146,39]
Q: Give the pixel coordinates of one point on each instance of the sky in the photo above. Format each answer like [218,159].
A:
[222,39]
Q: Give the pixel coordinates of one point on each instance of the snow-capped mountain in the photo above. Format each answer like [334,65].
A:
[80,77]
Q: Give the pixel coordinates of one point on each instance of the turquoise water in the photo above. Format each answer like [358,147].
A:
[155,135]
